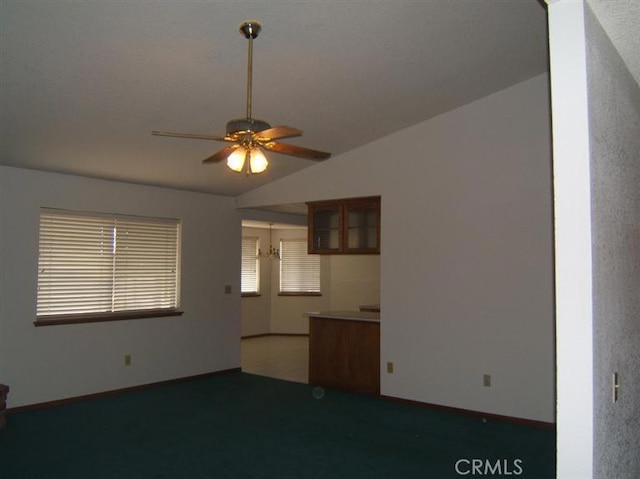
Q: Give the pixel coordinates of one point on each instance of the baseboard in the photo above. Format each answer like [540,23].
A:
[60,402]
[469,412]
[264,335]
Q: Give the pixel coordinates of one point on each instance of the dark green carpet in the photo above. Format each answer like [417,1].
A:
[239,425]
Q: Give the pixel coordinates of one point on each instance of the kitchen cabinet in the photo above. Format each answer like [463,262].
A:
[4,390]
[344,351]
[348,226]
[325,228]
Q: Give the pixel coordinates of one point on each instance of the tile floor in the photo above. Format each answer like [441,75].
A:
[281,357]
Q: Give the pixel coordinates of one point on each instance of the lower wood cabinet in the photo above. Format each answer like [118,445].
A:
[4,390]
[345,354]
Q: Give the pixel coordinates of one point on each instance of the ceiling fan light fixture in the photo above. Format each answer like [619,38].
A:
[235,161]
[257,161]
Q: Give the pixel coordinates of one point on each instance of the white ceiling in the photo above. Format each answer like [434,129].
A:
[84,83]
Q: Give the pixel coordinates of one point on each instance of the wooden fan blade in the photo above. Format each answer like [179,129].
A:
[295,150]
[222,154]
[278,132]
[194,136]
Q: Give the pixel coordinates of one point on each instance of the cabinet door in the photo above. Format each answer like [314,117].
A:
[344,354]
[324,228]
[362,227]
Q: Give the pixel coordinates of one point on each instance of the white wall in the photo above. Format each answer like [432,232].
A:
[49,363]
[466,264]
[354,281]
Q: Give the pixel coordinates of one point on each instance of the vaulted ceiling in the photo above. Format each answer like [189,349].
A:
[84,83]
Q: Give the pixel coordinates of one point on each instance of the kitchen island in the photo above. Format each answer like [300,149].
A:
[344,350]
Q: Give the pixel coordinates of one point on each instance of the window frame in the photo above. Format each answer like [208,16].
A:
[116,313]
[315,258]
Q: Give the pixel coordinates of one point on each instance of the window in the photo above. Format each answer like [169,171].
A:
[250,284]
[95,267]
[299,271]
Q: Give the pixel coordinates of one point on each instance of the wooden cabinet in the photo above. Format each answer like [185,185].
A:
[4,390]
[349,226]
[344,354]
[325,228]
[362,226]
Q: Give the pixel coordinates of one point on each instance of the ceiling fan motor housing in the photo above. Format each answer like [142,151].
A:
[239,125]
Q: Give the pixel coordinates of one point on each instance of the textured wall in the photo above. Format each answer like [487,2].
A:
[620,20]
[614,112]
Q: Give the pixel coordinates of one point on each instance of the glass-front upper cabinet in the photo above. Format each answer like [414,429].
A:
[325,221]
[362,226]
[350,226]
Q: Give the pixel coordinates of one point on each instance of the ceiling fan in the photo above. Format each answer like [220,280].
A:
[249,135]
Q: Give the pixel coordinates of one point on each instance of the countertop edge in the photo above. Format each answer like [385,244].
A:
[367,316]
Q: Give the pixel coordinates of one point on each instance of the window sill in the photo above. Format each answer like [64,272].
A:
[300,294]
[58,319]
[250,295]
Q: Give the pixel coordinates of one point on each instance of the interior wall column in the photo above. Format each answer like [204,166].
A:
[573,266]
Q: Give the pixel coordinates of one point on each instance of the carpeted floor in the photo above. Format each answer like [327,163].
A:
[239,425]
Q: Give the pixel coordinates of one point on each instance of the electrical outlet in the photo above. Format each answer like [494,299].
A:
[227,289]
[390,368]
[486,380]
[127,360]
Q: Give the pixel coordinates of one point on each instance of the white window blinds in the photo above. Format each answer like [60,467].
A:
[250,281]
[299,271]
[94,263]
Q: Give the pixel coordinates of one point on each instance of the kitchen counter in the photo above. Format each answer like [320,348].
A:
[346,315]
[370,307]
